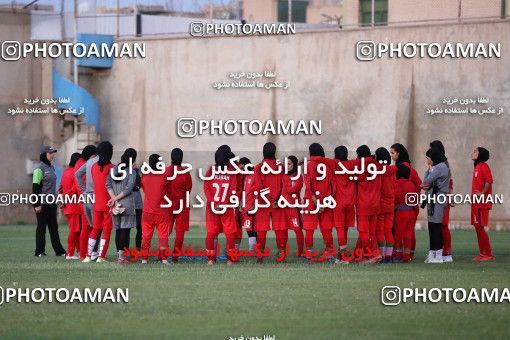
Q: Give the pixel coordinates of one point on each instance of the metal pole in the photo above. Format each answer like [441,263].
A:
[503,9]
[75,61]
[373,13]
[62,21]
[459,14]
[118,18]
[289,14]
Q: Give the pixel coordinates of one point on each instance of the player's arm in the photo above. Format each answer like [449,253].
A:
[79,175]
[37,179]
[487,177]
[189,182]
[208,190]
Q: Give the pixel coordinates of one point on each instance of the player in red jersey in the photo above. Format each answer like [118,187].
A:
[292,183]
[368,203]
[404,215]
[481,186]
[269,217]
[154,216]
[102,220]
[73,211]
[219,190]
[247,187]
[400,155]
[345,198]
[318,186]
[178,187]
[384,230]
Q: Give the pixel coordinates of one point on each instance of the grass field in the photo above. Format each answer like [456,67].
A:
[190,300]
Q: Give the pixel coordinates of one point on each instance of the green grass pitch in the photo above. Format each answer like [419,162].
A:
[190,300]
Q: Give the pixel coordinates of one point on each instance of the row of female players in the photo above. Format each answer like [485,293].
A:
[385,221]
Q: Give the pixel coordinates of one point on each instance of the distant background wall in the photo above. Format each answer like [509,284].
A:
[376,102]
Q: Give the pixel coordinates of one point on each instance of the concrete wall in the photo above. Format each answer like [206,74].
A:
[377,103]
[21,135]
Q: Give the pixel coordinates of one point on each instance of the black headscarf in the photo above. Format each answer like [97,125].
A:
[88,151]
[128,154]
[105,152]
[222,156]
[176,155]
[294,161]
[341,153]
[382,154]
[244,160]
[153,160]
[435,155]
[44,159]
[74,158]
[483,155]
[316,149]
[269,151]
[403,171]
[363,151]
[439,145]
[403,154]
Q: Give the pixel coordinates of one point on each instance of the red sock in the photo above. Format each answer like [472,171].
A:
[179,240]
[209,245]
[300,239]
[72,242]
[261,240]
[84,241]
[365,242]
[281,238]
[342,240]
[327,236]
[309,239]
[447,240]
[231,245]
[484,243]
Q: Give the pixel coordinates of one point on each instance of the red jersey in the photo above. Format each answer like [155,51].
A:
[271,181]
[101,196]
[155,187]
[344,189]
[312,184]
[177,187]
[368,200]
[290,187]
[69,187]
[414,177]
[388,181]
[481,174]
[219,189]
[403,186]
[248,189]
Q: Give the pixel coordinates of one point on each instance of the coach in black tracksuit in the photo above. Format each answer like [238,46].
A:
[44,181]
